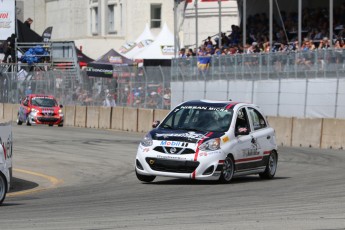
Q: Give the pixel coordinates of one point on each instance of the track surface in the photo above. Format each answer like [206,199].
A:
[100,190]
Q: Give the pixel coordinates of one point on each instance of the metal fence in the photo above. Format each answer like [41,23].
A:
[163,87]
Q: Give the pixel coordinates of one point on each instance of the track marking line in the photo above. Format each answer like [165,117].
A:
[53,180]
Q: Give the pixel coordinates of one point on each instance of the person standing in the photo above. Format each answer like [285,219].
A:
[9,49]
[28,22]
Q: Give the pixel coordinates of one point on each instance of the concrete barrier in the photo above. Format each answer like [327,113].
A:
[297,132]
[92,117]
[306,132]
[333,134]
[145,119]
[160,114]
[8,112]
[80,116]
[15,109]
[283,128]
[69,115]
[117,118]
[130,121]
[104,117]
[1,111]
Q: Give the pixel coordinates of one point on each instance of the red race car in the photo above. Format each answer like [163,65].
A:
[40,109]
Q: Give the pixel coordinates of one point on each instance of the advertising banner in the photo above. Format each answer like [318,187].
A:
[99,70]
[7,18]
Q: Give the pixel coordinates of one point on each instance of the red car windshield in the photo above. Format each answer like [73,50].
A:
[43,102]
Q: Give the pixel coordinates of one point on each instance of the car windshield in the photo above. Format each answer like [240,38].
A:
[43,101]
[199,118]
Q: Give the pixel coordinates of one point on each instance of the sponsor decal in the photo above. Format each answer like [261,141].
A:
[202,154]
[115,59]
[145,150]
[171,157]
[189,135]
[6,146]
[204,108]
[167,50]
[173,143]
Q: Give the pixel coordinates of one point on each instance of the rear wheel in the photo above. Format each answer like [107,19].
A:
[19,122]
[271,167]
[3,188]
[144,178]
[228,170]
[60,125]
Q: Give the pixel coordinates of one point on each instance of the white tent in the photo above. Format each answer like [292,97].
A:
[130,49]
[161,48]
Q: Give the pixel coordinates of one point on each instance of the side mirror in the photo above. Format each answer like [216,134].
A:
[155,124]
[61,106]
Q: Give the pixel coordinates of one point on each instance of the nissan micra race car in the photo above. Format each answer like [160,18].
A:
[40,109]
[209,140]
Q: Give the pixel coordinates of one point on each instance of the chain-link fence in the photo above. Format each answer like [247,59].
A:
[278,82]
[143,87]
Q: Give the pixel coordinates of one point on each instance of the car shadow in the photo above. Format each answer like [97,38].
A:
[237,180]
[18,185]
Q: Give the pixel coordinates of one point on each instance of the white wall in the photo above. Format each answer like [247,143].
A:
[315,98]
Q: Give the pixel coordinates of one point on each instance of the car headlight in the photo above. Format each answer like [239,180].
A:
[34,110]
[210,145]
[147,140]
[60,111]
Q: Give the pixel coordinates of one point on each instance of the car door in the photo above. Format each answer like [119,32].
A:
[261,133]
[245,151]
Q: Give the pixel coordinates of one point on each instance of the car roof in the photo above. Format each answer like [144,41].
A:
[40,95]
[215,103]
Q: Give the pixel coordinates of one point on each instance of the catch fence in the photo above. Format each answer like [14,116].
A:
[300,84]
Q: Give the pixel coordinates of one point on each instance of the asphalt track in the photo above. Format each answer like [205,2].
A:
[77,178]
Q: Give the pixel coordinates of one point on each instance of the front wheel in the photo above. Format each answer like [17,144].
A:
[144,178]
[228,170]
[271,167]
[3,188]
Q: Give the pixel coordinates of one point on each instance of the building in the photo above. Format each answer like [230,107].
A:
[99,25]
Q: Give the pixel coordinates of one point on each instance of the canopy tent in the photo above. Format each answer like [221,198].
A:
[109,65]
[83,60]
[161,49]
[131,49]
[25,34]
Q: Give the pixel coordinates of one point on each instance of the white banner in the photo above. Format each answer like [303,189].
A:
[7,18]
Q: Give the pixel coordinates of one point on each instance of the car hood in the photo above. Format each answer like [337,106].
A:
[183,135]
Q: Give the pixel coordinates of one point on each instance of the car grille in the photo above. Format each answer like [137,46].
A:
[178,151]
[174,166]
[47,119]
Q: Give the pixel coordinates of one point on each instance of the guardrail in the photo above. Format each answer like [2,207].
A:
[327,133]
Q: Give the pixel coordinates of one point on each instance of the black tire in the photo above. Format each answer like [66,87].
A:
[19,122]
[3,188]
[271,166]
[60,125]
[144,178]
[28,121]
[50,125]
[227,171]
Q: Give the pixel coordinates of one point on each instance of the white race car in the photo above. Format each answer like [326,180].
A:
[5,159]
[209,140]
